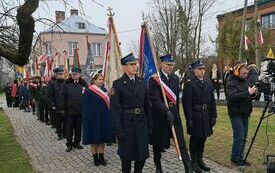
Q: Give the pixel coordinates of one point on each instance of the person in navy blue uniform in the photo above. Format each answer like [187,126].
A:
[200,113]
[56,102]
[163,117]
[73,91]
[131,111]
[96,118]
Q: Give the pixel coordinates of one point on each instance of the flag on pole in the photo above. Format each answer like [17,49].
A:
[76,62]
[89,62]
[260,38]
[112,68]
[149,68]
[56,59]
[66,64]
[148,64]
[246,42]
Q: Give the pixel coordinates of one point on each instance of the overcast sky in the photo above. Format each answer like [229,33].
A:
[128,15]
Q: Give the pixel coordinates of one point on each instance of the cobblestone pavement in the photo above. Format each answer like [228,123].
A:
[48,155]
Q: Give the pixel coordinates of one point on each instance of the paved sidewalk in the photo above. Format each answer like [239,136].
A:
[48,155]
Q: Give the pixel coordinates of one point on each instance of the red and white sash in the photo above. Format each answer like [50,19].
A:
[101,94]
[168,92]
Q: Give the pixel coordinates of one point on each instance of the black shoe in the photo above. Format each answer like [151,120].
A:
[158,170]
[96,160]
[101,159]
[59,138]
[69,148]
[196,168]
[47,123]
[78,146]
[237,162]
[203,166]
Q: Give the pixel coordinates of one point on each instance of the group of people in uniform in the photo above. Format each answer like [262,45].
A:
[141,116]
[134,113]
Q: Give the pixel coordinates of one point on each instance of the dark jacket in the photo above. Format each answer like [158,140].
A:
[96,119]
[161,133]
[199,106]
[215,82]
[72,95]
[55,93]
[239,102]
[126,97]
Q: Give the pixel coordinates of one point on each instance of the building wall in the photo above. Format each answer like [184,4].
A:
[60,41]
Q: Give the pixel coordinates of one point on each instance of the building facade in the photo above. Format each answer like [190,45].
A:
[69,33]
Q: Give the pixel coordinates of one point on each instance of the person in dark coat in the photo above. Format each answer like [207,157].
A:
[43,103]
[239,105]
[163,117]
[7,91]
[72,94]
[96,118]
[49,85]
[215,77]
[200,114]
[56,102]
[131,110]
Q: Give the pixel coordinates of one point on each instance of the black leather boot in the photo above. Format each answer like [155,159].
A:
[139,166]
[202,164]
[101,159]
[96,160]
[195,165]
[186,162]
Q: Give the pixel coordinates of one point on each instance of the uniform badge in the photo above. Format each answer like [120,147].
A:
[112,91]
[124,82]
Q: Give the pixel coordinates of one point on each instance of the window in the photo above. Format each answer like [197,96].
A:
[81,25]
[272,21]
[72,46]
[97,49]
[48,49]
[266,21]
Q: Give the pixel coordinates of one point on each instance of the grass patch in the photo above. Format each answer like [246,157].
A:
[218,146]
[12,157]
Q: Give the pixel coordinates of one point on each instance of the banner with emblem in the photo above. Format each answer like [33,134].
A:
[112,68]
[148,64]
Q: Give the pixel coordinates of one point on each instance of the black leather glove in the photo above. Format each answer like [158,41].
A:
[213,122]
[121,137]
[189,124]
[170,117]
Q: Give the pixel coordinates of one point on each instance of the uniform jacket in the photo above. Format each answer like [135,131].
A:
[72,96]
[128,96]
[161,133]
[55,94]
[199,106]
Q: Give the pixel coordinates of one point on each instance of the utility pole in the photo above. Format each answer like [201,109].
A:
[243,30]
[256,28]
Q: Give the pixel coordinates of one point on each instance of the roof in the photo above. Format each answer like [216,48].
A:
[250,7]
[70,25]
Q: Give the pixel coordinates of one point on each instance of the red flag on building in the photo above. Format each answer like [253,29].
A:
[260,38]
[246,42]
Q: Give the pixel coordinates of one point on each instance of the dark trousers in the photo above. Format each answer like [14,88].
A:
[240,129]
[9,100]
[73,126]
[43,112]
[126,166]
[196,146]
[60,124]
[218,93]
[15,101]
[52,118]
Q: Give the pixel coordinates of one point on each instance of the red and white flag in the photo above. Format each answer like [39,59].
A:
[112,68]
[246,42]
[260,38]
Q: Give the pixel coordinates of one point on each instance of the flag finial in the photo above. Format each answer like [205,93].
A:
[110,12]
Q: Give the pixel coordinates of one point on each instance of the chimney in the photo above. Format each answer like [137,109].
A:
[74,11]
[59,16]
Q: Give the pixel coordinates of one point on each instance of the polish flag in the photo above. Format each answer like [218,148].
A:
[260,38]
[246,42]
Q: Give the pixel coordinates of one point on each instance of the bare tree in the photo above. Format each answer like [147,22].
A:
[9,49]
